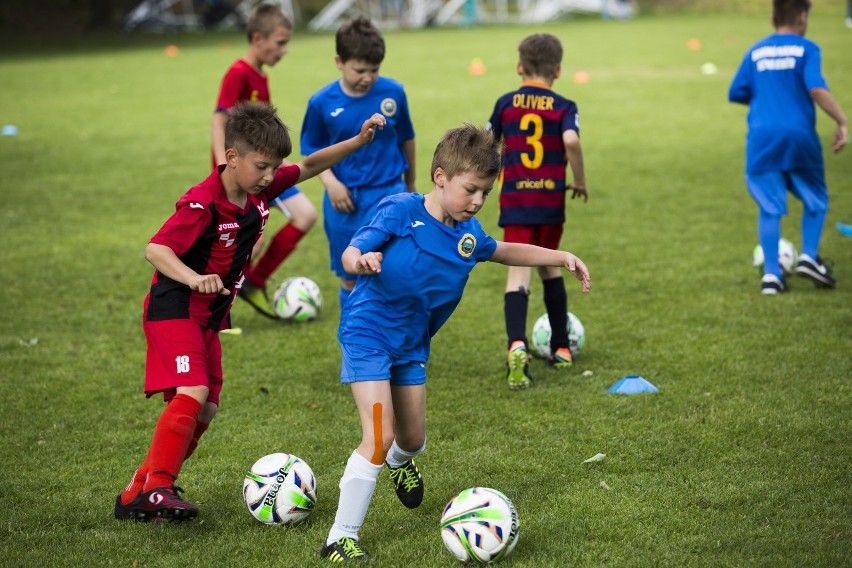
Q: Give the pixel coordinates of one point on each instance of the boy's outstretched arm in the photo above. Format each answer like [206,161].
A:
[356,263]
[167,262]
[574,151]
[827,102]
[327,157]
[518,254]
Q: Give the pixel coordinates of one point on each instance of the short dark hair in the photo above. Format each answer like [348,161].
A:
[265,18]
[254,127]
[787,12]
[468,148]
[540,54]
[360,39]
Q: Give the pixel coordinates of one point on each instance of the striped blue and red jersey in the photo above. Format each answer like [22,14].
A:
[211,235]
[532,121]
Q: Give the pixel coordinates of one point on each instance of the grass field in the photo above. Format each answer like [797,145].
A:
[742,459]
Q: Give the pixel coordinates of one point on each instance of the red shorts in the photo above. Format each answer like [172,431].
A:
[547,236]
[181,353]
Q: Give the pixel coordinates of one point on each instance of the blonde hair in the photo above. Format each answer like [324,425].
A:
[468,148]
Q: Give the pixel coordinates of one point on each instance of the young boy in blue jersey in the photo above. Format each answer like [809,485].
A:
[355,186]
[413,260]
[780,78]
[541,134]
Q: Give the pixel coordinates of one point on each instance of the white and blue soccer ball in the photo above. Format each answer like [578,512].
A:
[297,299]
[541,333]
[480,525]
[280,489]
[788,257]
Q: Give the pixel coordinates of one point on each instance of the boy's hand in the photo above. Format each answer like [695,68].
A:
[340,197]
[209,284]
[369,263]
[368,129]
[841,137]
[576,267]
[578,190]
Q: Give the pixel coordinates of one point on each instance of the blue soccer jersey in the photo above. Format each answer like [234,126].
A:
[425,267]
[333,116]
[532,121]
[775,80]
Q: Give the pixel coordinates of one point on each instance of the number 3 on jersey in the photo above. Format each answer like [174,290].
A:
[534,122]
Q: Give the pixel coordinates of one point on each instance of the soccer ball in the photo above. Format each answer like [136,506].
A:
[480,525]
[787,257]
[541,335]
[280,489]
[297,299]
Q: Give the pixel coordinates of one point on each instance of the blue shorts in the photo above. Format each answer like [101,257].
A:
[341,227]
[769,190]
[361,363]
[288,193]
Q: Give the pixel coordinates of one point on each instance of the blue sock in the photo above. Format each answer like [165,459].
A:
[769,233]
[812,223]
[343,295]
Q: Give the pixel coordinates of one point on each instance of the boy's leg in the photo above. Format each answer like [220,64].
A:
[809,187]
[409,403]
[375,408]
[769,191]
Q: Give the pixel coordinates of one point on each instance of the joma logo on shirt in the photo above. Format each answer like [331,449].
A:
[228,226]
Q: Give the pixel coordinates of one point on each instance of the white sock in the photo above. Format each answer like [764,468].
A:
[356,490]
[397,457]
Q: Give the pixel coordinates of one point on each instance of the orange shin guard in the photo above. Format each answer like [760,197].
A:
[378,445]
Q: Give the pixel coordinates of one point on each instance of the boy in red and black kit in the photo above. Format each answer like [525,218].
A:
[268,30]
[199,255]
[541,134]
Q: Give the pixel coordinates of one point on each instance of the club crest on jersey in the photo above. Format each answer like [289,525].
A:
[388,107]
[467,244]
[226,241]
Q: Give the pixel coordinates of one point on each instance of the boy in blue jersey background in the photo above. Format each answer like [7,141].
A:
[413,260]
[355,186]
[780,78]
[541,134]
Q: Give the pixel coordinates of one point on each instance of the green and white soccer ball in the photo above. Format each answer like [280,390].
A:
[297,299]
[280,489]
[480,525]
[541,335]
[788,257]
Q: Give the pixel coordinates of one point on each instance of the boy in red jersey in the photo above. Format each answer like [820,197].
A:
[199,255]
[268,30]
[541,134]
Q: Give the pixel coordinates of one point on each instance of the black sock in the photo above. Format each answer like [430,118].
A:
[556,302]
[515,310]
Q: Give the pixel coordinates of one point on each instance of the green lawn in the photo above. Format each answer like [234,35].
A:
[742,459]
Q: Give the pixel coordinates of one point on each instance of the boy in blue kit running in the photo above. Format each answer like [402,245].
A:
[430,243]
[541,133]
[355,186]
[780,78]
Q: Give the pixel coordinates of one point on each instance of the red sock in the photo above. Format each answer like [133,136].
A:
[279,248]
[172,437]
[137,482]
[200,428]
